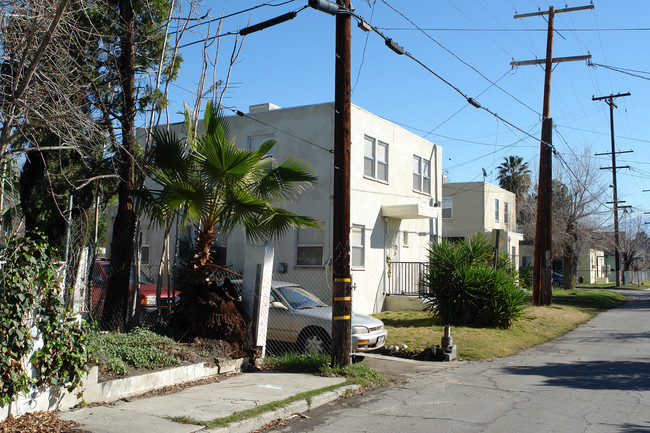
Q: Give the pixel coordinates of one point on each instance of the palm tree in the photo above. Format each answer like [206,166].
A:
[514,176]
[217,186]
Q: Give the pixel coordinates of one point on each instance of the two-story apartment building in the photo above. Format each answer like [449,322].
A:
[395,195]
[471,207]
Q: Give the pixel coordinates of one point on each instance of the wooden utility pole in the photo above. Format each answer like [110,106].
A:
[609,100]
[542,265]
[342,288]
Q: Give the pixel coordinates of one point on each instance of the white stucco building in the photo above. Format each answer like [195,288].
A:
[471,207]
[395,196]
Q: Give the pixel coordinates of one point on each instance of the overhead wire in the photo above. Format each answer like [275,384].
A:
[242,114]
[493,83]
[235,14]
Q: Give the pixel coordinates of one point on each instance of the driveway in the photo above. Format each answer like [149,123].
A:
[594,379]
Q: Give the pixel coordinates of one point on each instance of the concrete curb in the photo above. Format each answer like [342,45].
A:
[299,406]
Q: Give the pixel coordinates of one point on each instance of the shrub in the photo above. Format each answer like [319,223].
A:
[462,288]
[526,276]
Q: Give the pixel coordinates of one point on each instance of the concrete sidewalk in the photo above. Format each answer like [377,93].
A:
[207,402]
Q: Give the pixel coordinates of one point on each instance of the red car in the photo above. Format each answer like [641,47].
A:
[98,285]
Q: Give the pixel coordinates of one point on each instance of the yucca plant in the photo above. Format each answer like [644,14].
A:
[461,287]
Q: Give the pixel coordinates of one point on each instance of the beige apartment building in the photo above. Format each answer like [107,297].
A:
[471,207]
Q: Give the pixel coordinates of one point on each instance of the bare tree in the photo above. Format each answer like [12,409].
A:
[579,210]
[633,243]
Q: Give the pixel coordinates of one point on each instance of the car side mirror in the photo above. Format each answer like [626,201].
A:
[278,305]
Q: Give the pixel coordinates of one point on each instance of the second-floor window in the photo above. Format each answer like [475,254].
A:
[447,208]
[421,174]
[496,209]
[375,159]
[506,215]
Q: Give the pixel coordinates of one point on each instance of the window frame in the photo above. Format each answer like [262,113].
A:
[374,160]
[360,249]
[496,209]
[443,206]
[423,167]
[314,244]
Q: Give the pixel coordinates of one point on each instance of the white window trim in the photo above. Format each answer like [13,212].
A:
[450,201]
[421,176]
[307,245]
[361,247]
[496,209]
[376,143]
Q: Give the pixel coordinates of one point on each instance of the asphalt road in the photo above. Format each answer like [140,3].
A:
[594,379]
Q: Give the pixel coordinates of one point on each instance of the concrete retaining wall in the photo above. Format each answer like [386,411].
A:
[58,398]
[403,302]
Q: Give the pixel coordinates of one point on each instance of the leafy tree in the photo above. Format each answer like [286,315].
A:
[219,187]
[463,288]
[514,176]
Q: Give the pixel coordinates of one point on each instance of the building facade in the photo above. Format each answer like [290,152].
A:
[395,197]
[471,207]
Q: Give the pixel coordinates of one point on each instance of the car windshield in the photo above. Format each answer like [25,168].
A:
[299,298]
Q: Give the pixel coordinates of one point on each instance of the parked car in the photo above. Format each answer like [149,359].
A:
[299,318]
[558,280]
[99,284]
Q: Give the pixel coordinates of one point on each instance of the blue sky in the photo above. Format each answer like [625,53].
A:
[470,44]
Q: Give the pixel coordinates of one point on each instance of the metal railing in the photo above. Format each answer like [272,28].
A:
[403,278]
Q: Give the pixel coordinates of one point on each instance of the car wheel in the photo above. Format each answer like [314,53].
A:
[315,340]
[556,283]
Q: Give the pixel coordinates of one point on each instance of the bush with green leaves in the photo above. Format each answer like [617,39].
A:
[139,348]
[31,305]
[462,288]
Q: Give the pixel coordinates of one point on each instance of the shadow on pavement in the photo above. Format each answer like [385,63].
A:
[619,375]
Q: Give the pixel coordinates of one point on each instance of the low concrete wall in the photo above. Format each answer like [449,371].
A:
[403,302]
[58,398]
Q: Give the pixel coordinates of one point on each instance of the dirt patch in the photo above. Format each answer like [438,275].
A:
[201,350]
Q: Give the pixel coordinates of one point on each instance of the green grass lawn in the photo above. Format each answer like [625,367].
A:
[418,330]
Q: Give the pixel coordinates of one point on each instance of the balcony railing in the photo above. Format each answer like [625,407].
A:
[403,278]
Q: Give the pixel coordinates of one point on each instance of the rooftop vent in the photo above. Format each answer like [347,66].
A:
[258,108]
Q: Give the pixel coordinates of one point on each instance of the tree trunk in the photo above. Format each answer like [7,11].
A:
[116,304]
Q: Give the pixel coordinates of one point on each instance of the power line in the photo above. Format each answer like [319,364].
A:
[622,70]
[234,14]
[242,114]
[464,29]
[493,83]
[249,29]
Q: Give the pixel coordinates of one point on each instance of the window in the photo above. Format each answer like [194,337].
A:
[417,172]
[375,159]
[357,246]
[255,141]
[405,239]
[144,245]
[506,216]
[496,209]
[421,175]
[426,176]
[310,247]
[514,255]
[447,208]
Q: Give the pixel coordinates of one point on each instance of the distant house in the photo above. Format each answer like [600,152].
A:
[593,266]
[471,207]
[396,192]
